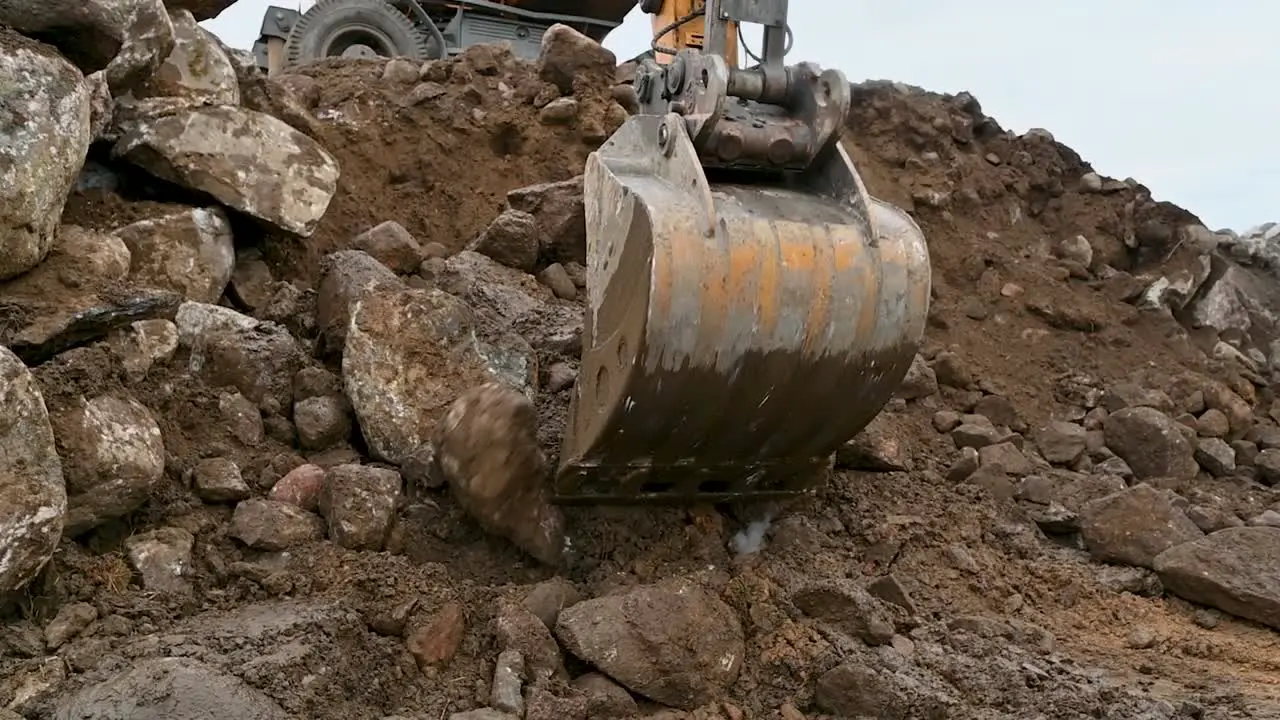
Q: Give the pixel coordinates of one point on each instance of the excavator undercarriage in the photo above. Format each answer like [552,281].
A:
[750,306]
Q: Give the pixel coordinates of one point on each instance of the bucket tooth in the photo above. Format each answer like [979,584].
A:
[737,333]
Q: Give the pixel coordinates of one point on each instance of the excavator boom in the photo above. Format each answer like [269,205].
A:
[750,306]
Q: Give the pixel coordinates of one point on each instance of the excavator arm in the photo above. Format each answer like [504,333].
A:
[750,306]
[678,24]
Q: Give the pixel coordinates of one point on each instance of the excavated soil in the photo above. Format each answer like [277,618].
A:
[441,167]
[1022,324]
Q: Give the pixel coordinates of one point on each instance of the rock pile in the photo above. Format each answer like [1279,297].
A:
[286,361]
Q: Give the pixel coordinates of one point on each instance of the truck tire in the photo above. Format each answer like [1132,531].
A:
[354,28]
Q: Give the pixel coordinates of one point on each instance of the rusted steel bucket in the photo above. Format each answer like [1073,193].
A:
[737,333]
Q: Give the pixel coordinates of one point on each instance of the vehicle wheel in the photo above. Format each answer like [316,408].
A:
[354,28]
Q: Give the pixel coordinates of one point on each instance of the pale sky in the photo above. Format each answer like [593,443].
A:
[1178,94]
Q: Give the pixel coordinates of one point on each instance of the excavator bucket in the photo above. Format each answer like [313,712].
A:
[737,333]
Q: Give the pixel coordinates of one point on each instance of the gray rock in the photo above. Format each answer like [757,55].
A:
[322,422]
[148,39]
[1215,456]
[197,321]
[1236,297]
[33,498]
[190,252]
[88,32]
[162,558]
[1236,570]
[919,382]
[558,211]
[196,72]
[236,156]
[397,338]
[201,9]
[143,344]
[175,688]
[45,134]
[1151,443]
[345,276]
[505,693]
[112,458]
[1133,526]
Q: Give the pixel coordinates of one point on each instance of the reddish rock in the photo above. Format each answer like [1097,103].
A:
[301,486]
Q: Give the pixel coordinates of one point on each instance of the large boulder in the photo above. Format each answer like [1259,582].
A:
[44,139]
[149,38]
[88,32]
[246,160]
[201,9]
[33,499]
[197,72]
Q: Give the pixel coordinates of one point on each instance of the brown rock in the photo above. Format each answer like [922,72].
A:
[359,502]
[438,641]
[301,487]
[274,525]
[1061,443]
[673,643]
[555,277]
[511,239]
[487,447]
[1236,570]
[606,699]
[219,480]
[549,597]
[1133,526]
[568,57]
[392,245]
[518,629]
[847,607]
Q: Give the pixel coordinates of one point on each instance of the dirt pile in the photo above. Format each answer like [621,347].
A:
[264,336]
